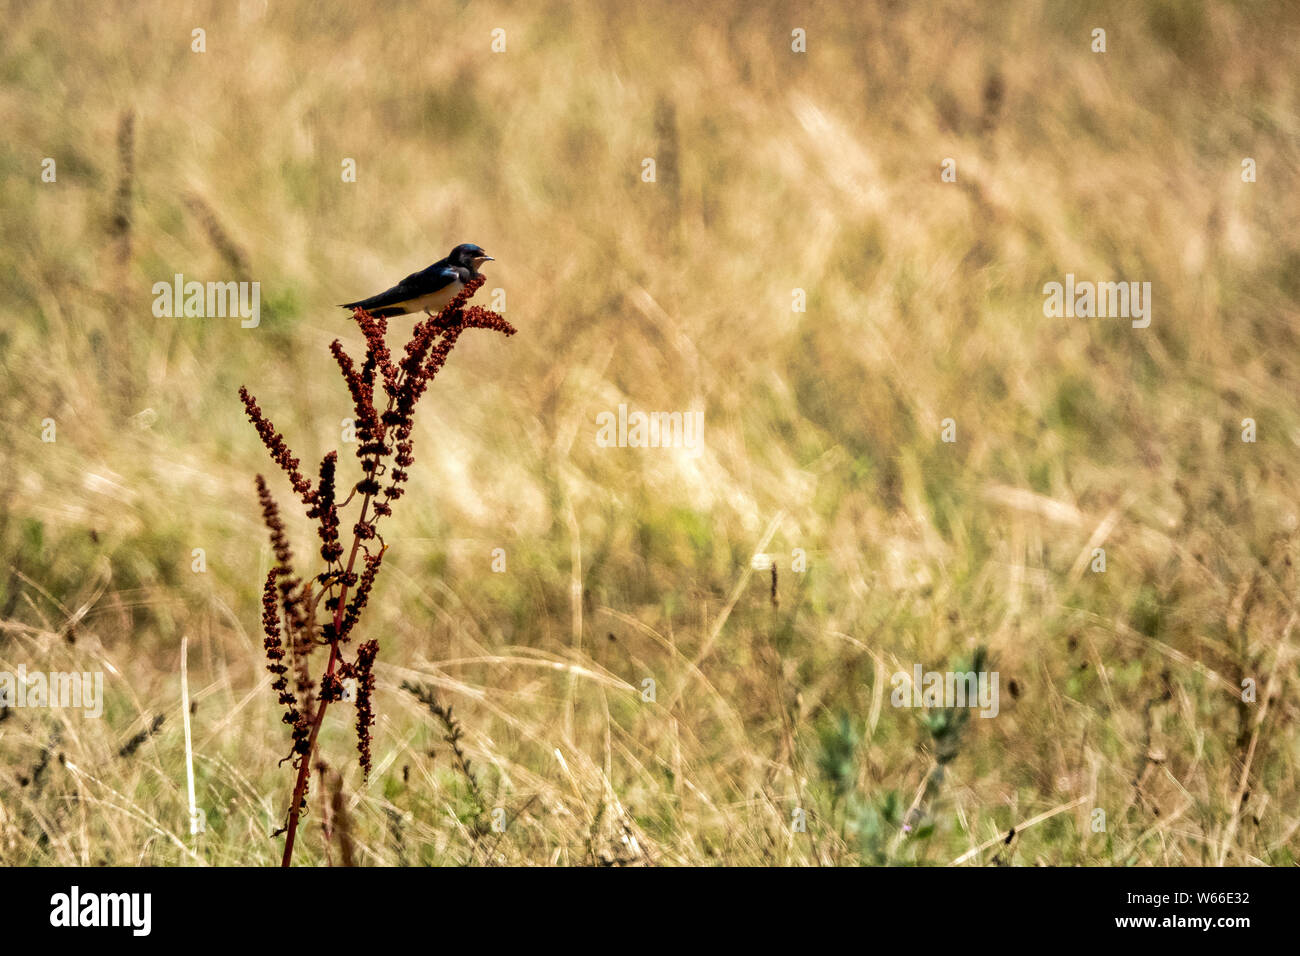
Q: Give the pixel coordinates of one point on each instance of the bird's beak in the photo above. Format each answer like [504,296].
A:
[488,258]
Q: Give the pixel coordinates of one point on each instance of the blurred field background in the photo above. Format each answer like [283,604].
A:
[775,171]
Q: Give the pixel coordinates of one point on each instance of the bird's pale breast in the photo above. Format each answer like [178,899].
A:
[434,302]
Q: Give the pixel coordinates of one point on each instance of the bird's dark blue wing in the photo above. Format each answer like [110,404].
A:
[426,281]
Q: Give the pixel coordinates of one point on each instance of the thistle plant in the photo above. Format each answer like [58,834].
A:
[301,614]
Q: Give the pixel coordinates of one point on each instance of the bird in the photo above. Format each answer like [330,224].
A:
[428,290]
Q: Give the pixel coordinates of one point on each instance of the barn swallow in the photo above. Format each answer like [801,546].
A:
[428,290]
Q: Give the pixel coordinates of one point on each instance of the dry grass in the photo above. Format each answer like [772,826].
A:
[775,171]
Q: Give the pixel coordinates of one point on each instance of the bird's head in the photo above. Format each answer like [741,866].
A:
[470,256]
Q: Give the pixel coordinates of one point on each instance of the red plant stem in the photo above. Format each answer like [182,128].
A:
[304,766]
[300,785]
